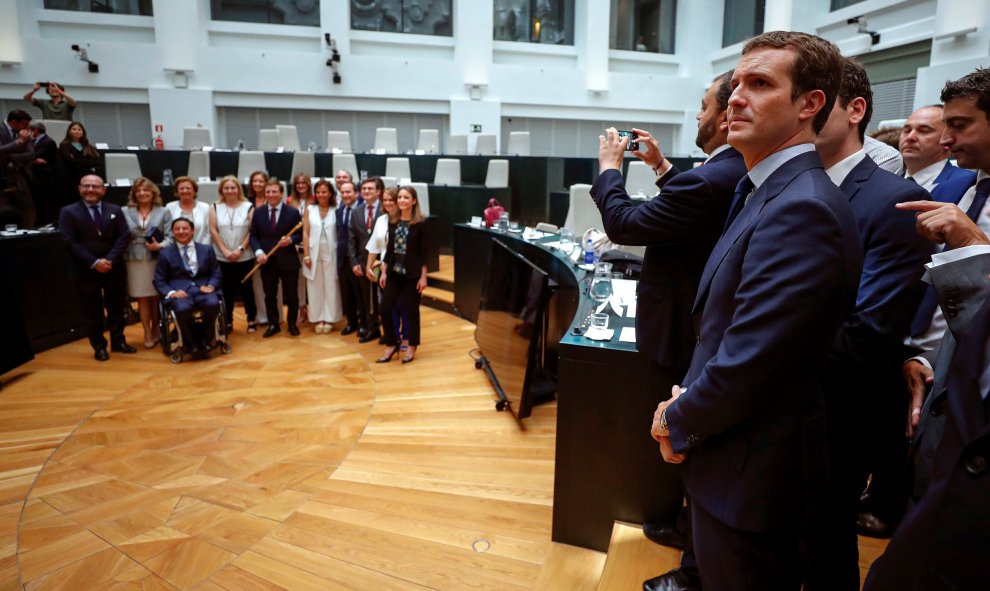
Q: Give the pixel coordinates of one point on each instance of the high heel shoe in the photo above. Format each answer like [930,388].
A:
[387,358]
[252,326]
[410,356]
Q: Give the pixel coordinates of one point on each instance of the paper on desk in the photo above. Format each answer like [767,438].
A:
[599,334]
[628,334]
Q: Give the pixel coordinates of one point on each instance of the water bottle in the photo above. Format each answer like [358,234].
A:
[589,251]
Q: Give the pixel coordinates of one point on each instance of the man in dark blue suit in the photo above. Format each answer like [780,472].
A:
[864,365]
[783,276]
[97,236]
[278,224]
[188,275]
[349,288]
[926,160]
[679,228]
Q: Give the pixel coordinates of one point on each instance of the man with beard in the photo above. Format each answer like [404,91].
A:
[679,228]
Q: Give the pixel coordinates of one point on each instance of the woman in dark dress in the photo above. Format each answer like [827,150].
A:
[403,277]
[77,158]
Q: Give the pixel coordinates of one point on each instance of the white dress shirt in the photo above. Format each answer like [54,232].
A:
[927,175]
[841,169]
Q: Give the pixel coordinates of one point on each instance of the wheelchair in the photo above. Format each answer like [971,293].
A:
[175,344]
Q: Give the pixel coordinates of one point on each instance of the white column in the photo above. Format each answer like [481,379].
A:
[778,15]
[591,27]
[11,51]
[473,26]
[957,50]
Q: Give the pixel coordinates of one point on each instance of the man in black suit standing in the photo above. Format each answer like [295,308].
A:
[679,228]
[362,223]
[45,187]
[97,236]
[348,282]
[276,224]
[15,165]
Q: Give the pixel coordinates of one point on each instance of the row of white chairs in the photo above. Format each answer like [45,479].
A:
[286,137]
[448,170]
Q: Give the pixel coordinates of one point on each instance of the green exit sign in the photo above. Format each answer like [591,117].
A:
[475,128]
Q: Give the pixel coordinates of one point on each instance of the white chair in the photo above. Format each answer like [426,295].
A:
[194,138]
[56,129]
[122,166]
[429,141]
[448,172]
[389,181]
[518,143]
[209,191]
[457,144]
[199,165]
[423,196]
[349,163]
[340,141]
[582,213]
[397,167]
[485,145]
[249,161]
[498,174]
[288,137]
[267,140]
[303,163]
[640,179]
[386,140]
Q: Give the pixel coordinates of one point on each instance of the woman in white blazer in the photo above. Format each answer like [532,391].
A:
[320,258]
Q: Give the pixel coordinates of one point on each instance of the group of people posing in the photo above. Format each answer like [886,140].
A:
[786,283]
[324,252]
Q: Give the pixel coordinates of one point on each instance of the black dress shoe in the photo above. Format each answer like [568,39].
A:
[665,534]
[123,347]
[272,329]
[101,354]
[369,336]
[349,329]
[675,580]
[871,526]
[293,330]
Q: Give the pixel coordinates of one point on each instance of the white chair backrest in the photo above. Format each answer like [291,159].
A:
[429,141]
[457,144]
[349,163]
[498,174]
[485,145]
[199,165]
[640,179]
[56,129]
[288,137]
[386,139]
[249,161]
[448,172]
[209,191]
[582,213]
[518,143]
[389,181]
[303,163]
[194,138]
[341,140]
[398,167]
[423,196]
[267,140]
[122,166]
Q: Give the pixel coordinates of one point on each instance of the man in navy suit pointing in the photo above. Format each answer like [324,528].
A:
[773,294]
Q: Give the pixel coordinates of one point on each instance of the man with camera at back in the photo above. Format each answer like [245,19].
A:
[60,106]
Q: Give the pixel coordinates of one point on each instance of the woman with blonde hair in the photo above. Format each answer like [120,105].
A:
[187,207]
[300,196]
[230,222]
[320,258]
[149,223]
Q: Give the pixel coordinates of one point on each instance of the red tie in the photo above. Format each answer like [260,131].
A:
[274,211]
[371,216]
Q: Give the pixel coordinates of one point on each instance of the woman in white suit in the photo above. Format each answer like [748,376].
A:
[320,258]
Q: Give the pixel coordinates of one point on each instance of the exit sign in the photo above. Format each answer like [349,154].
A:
[475,128]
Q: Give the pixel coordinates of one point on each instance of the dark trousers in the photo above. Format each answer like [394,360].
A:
[400,292]
[887,451]
[367,302]
[185,308]
[271,274]
[736,560]
[231,275]
[104,291]
[349,293]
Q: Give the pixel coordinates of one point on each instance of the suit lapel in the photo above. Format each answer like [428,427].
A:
[943,174]
[860,174]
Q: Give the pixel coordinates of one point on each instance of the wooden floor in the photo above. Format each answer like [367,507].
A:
[292,463]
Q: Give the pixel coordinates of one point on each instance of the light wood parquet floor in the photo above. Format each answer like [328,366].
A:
[292,463]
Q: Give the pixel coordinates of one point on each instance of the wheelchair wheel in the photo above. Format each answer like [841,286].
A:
[225,348]
[176,357]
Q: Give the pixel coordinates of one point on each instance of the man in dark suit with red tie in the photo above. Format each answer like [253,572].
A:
[188,275]
[97,236]
[749,420]
[273,224]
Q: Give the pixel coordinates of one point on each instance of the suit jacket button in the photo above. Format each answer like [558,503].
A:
[976,465]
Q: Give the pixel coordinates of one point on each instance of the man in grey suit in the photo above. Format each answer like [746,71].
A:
[362,223]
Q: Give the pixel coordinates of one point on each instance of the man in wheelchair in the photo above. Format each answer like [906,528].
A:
[188,276]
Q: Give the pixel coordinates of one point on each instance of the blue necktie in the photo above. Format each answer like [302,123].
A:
[743,189]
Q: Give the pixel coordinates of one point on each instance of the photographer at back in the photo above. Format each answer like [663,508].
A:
[60,106]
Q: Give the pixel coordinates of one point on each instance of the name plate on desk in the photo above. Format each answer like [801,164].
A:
[102,146]
[122,182]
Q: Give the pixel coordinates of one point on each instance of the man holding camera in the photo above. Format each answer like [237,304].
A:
[679,228]
[60,106]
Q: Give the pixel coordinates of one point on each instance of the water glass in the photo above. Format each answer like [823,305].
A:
[503,221]
[599,321]
[566,240]
[364,175]
[601,286]
[10,227]
[167,177]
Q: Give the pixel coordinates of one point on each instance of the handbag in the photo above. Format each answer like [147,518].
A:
[492,212]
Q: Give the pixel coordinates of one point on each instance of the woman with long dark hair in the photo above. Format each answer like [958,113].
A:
[77,158]
[320,258]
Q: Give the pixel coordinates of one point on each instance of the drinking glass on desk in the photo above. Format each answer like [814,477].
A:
[601,284]
[566,240]
[503,221]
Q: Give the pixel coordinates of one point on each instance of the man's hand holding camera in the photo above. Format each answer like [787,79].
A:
[612,148]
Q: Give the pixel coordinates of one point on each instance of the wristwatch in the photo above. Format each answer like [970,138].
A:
[240,248]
